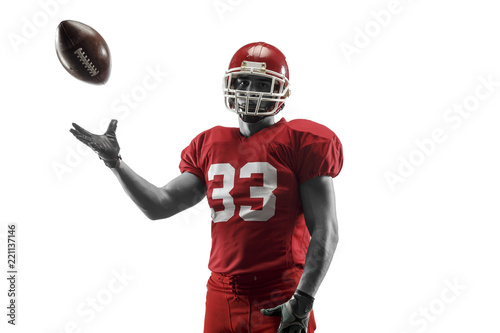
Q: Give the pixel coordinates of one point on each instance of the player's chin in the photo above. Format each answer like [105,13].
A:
[251,119]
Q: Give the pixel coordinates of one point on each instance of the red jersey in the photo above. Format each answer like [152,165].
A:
[253,190]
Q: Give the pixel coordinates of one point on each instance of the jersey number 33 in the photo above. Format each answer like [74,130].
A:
[265,192]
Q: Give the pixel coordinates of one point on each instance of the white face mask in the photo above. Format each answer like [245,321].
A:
[265,98]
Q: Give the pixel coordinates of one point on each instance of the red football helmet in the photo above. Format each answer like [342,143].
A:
[262,60]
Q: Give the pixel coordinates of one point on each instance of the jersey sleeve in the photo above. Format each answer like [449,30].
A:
[190,160]
[322,157]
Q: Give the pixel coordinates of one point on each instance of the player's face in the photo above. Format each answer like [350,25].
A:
[255,83]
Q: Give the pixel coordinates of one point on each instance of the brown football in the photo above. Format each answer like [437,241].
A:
[83,52]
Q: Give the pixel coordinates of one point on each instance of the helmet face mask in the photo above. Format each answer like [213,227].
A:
[255,93]
[252,88]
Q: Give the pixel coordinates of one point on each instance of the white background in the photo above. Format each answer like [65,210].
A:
[401,246]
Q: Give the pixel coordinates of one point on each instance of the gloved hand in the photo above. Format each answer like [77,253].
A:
[294,313]
[106,145]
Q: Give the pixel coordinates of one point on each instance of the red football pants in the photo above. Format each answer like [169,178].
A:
[234,302]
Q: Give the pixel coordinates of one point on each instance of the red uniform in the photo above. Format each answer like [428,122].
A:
[258,226]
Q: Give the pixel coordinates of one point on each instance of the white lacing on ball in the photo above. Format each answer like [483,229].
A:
[86,62]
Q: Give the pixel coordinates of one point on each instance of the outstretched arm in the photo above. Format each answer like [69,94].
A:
[182,192]
[155,202]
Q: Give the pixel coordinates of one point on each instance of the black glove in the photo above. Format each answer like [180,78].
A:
[106,145]
[294,313]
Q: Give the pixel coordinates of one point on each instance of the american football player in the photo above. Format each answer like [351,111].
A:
[269,186]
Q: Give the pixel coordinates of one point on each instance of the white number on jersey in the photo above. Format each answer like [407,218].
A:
[227,171]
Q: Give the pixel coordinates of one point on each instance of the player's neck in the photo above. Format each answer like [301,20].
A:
[249,129]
